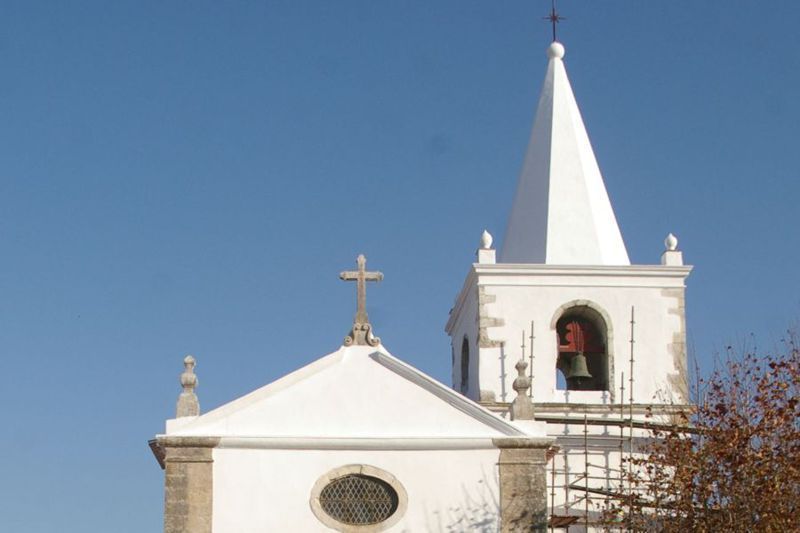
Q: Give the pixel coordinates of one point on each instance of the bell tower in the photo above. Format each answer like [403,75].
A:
[595,327]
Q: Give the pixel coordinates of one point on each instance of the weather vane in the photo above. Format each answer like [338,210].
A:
[554,18]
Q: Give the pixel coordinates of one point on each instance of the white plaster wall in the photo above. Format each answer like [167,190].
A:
[371,401]
[466,324]
[521,299]
[653,332]
[258,490]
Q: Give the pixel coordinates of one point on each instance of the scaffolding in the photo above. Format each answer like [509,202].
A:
[587,484]
[593,468]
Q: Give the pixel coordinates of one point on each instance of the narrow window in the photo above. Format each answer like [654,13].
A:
[464,366]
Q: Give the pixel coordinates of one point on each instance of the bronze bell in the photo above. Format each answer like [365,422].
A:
[578,371]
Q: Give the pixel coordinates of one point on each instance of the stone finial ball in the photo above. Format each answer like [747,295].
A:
[486,240]
[671,242]
[555,50]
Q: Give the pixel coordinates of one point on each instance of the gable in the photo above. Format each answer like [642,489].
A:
[355,392]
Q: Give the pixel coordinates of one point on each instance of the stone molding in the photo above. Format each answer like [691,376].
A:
[550,409]
[357,443]
[523,442]
[485,321]
[678,380]
[600,271]
[537,275]
[187,441]
[160,444]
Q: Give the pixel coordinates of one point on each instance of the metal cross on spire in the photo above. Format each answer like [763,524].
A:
[554,18]
[362,330]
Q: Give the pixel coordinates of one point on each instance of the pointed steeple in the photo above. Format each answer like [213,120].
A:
[561,213]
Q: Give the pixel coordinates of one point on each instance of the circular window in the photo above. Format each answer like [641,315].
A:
[358,498]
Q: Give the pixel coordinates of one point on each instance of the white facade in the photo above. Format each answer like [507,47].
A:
[358,409]
[257,490]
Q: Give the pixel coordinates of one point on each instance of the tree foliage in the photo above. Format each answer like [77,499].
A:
[735,464]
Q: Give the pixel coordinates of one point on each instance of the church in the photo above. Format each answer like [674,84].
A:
[562,352]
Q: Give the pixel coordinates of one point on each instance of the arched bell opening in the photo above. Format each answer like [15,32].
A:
[583,362]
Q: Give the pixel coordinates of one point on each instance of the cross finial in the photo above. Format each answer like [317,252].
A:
[362,330]
[554,18]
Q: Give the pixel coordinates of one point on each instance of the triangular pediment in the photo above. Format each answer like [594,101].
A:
[355,392]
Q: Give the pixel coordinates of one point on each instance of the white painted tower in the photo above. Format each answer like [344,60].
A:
[565,287]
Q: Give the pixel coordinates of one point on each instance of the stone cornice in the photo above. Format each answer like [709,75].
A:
[523,442]
[161,445]
[649,276]
[187,441]
[523,269]
[311,443]
[513,274]
[578,409]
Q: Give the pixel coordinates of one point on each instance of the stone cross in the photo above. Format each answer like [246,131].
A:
[362,330]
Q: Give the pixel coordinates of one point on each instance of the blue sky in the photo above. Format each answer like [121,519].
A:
[190,177]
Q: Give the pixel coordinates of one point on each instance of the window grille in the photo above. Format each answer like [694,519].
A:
[357,499]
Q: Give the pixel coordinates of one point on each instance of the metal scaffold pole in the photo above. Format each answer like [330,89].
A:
[552,492]
[630,414]
[532,337]
[586,469]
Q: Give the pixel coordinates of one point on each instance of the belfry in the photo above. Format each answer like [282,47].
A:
[606,340]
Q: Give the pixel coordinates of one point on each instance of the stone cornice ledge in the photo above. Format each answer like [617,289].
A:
[651,272]
[189,441]
[523,268]
[160,444]
[326,443]
[523,442]
[585,270]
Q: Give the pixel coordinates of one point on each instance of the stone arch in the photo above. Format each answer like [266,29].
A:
[603,364]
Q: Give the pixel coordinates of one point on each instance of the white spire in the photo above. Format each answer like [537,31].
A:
[561,213]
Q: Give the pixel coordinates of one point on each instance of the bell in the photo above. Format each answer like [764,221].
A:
[577,369]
